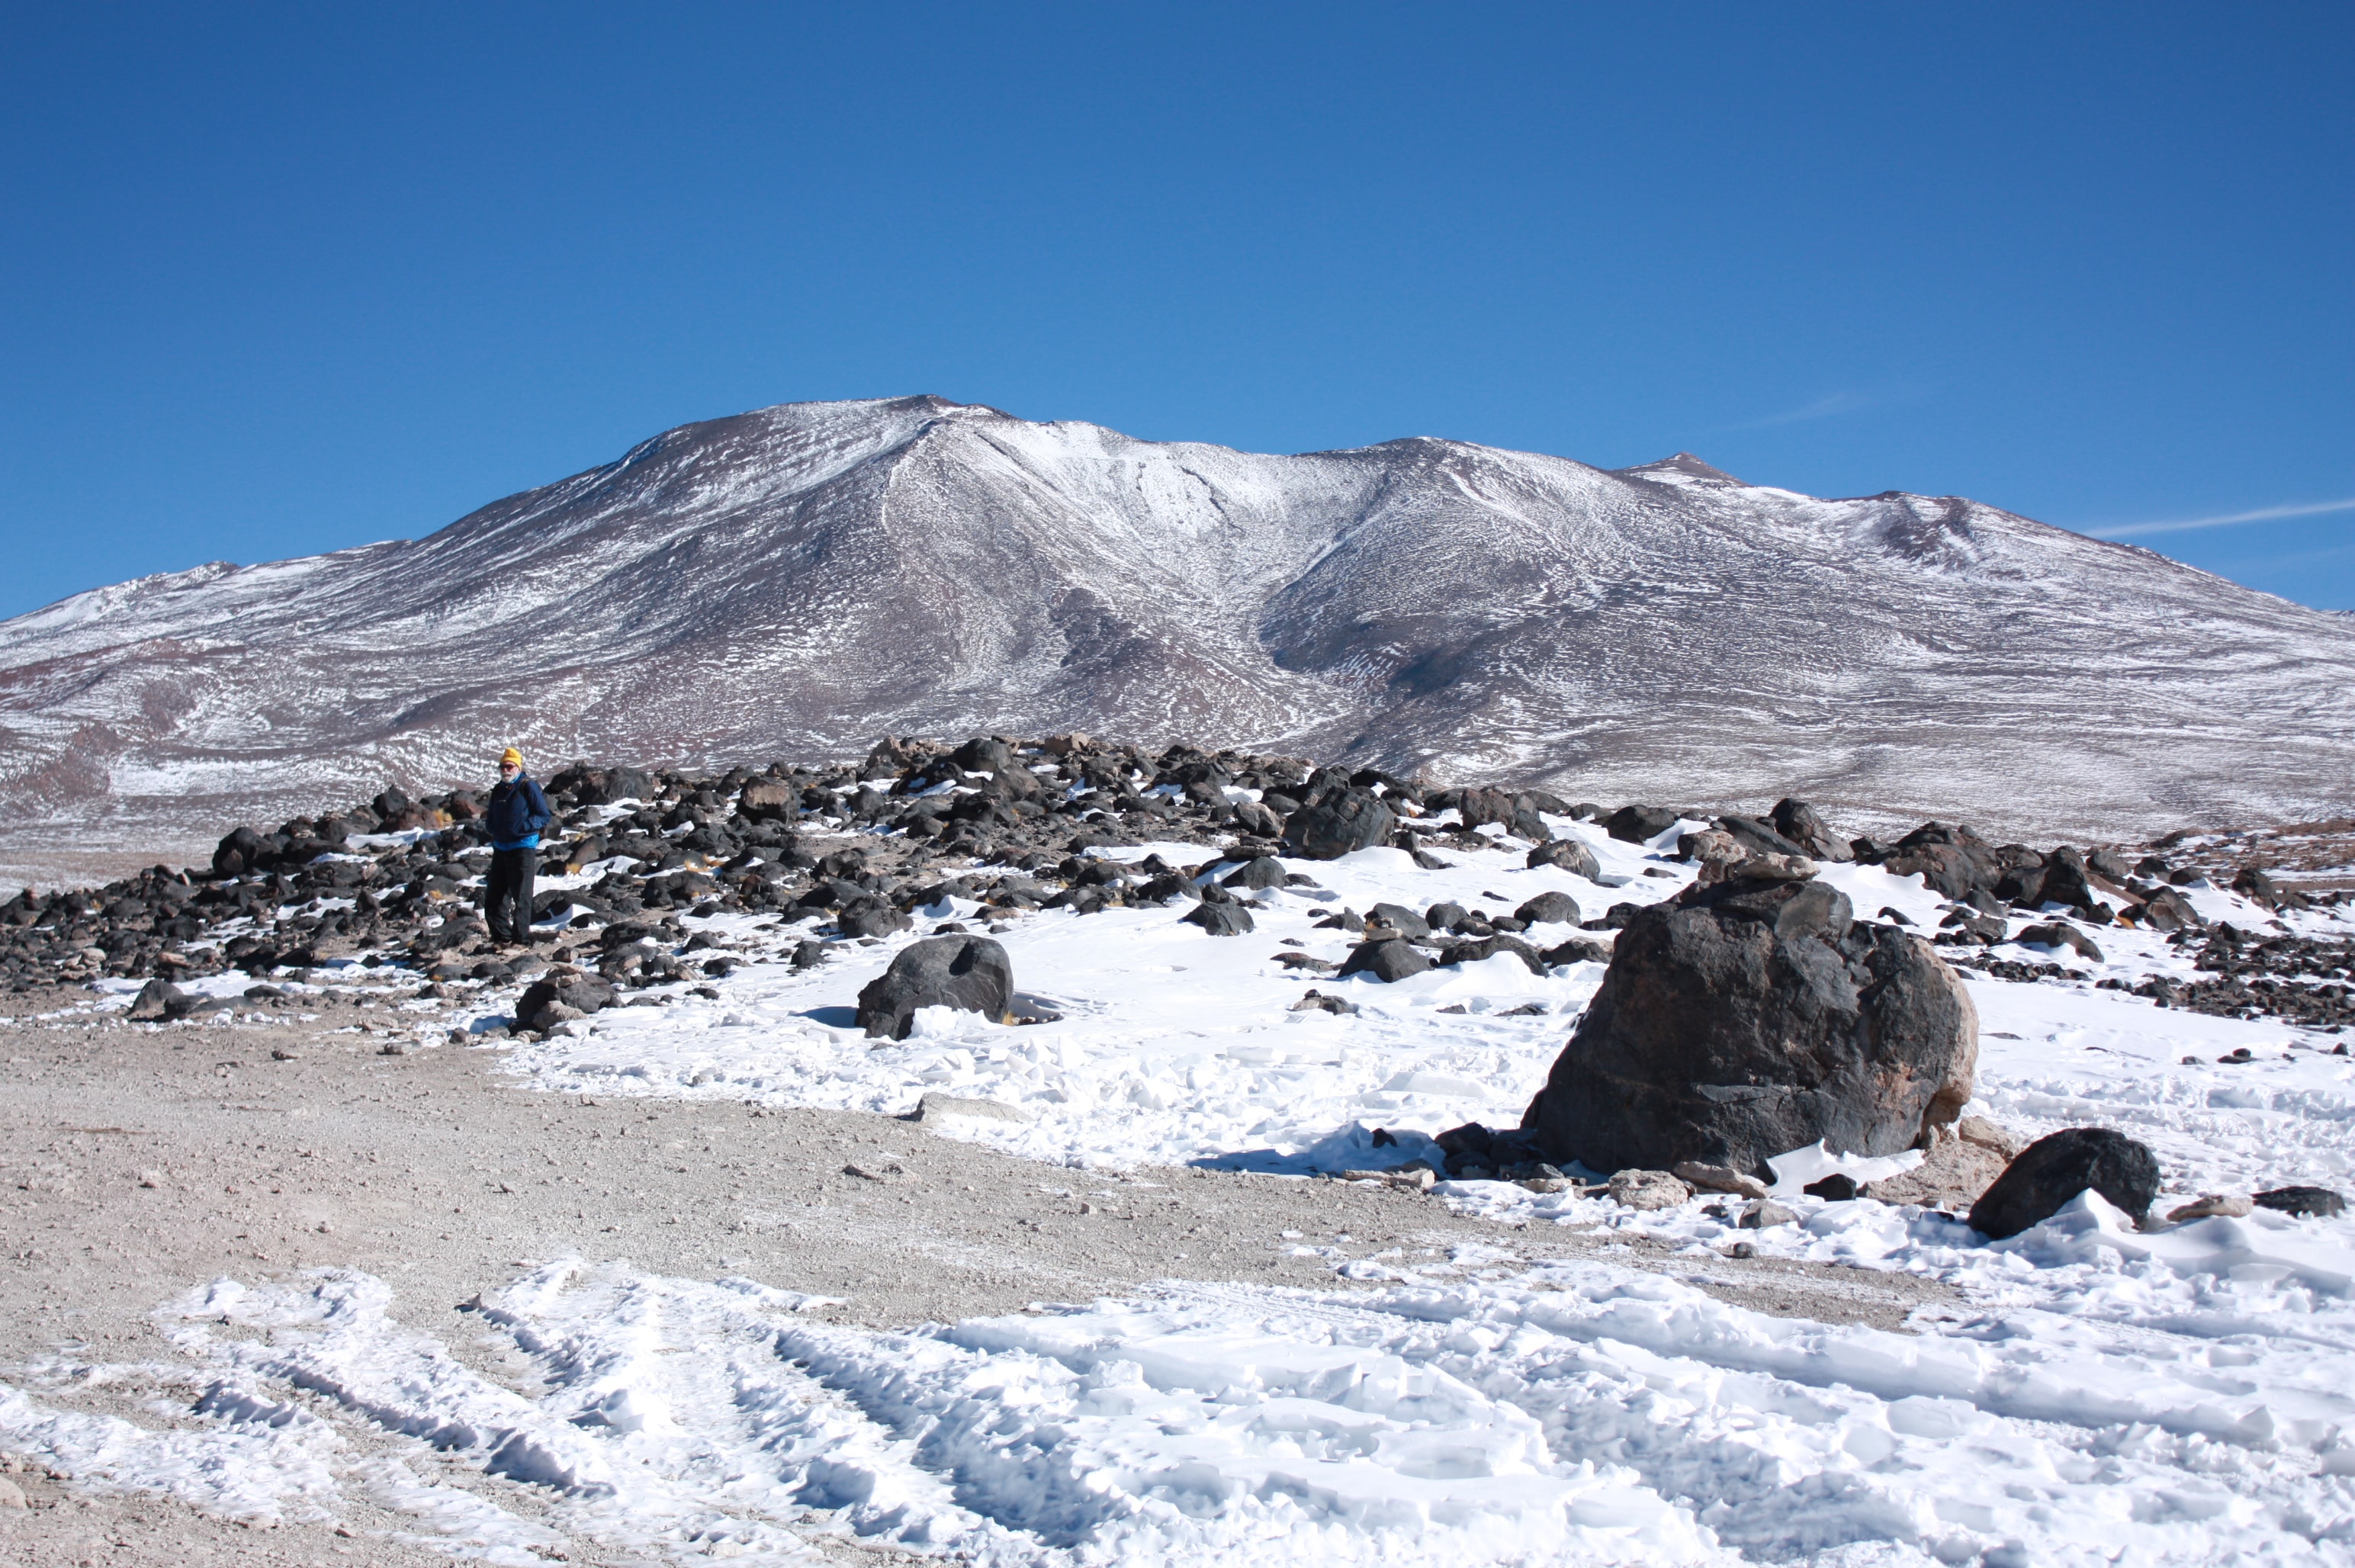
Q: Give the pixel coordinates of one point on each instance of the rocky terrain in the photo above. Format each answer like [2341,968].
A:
[852,853]
[797,579]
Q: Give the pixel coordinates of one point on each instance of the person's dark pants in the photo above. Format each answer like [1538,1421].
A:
[507,893]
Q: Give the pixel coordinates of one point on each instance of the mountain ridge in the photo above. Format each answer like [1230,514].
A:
[805,577]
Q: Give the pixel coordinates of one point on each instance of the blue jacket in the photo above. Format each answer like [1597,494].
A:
[517,812]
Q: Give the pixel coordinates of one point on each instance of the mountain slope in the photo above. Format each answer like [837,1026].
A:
[809,576]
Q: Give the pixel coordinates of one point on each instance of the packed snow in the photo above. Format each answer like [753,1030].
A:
[2086,1391]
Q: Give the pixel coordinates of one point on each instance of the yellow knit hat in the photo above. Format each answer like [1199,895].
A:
[510,755]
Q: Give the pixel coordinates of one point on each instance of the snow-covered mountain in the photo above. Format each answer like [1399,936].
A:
[805,578]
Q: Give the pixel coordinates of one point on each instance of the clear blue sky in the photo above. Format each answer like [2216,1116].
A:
[278,279]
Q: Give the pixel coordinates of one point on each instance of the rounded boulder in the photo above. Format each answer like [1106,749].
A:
[969,973]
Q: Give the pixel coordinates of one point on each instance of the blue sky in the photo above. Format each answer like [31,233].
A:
[281,280]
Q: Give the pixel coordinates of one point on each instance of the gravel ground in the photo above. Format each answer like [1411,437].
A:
[141,1161]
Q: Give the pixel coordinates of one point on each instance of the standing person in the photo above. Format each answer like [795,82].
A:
[517,811]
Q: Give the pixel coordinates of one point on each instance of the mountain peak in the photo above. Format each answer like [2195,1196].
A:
[1683,468]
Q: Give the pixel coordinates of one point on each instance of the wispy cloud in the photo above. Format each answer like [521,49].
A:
[1823,408]
[2228,519]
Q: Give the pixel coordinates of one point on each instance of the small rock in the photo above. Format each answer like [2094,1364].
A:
[1647,1189]
[150,1178]
[158,1001]
[560,997]
[1837,1188]
[1744,1250]
[1577,950]
[2228,1205]
[11,1494]
[1718,1178]
[2059,934]
[1419,1177]
[943,1107]
[2304,1202]
[1765,1214]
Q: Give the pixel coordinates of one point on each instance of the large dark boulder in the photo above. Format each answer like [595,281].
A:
[1803,826]
[1401,919]
[1267,871]
[1390,959]
[870,916]
[1950,859]
[767,800]
[1570,854]
[1342,823]
[1480,807]
[1219,919]
[1639,824]
[2055,1168]
[241,851]
[1746,1018]
[971,973]
[2168,910]
[2066,883]
[1759,837]
[1548,908]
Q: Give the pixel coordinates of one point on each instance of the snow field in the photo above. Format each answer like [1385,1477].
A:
[2158,1400]
[1172,1046]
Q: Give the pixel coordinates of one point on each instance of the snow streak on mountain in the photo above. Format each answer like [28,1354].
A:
[808,577]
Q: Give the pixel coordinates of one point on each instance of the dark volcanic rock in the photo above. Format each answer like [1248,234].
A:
[581,994]
[868,916]
[1345,821]
[1488,947]
[1639,824]
[2055,1168]
[2059,934]
[1950,860]
[1220,920]
[1391,959]
[1401,919]
[1267,871]
[1558,908]
[971,973]
[1803,826]
[158,1001]
[1578,950]
[1570,854]
[1744,1019]
[2305,1202]
[1760,838]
